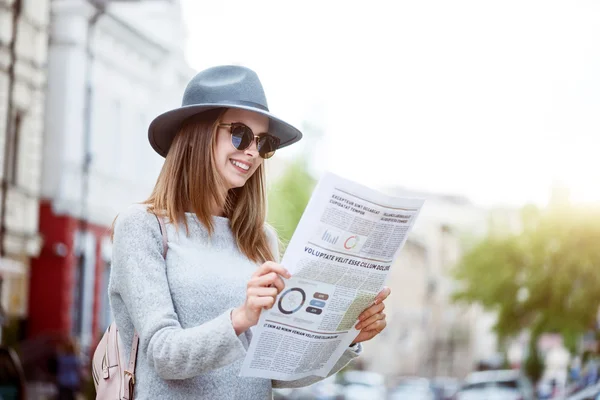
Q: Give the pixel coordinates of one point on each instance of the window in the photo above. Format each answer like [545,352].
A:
[14,138]
[114,148]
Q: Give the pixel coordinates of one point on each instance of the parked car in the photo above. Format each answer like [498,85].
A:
[363,385]
[327,389]
[445,387]
[496,385]
[412,389]
[588,393]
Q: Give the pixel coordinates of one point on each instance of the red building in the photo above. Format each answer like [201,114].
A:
[67,276]
[105,84]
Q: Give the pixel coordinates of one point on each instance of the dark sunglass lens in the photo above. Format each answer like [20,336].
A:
[267,145]
[241,136]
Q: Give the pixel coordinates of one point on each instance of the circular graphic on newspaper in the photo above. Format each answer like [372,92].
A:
[291,300]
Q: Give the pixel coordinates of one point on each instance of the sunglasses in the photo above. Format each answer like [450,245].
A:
[242,138]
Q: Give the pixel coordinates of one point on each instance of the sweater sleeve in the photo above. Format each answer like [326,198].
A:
[349,354]
[138,275]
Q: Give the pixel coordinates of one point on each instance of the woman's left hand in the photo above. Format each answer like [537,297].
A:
[372,320]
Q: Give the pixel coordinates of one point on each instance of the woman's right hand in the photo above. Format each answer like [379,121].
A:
[261,293]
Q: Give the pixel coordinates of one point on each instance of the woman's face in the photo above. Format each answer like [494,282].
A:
[236,166]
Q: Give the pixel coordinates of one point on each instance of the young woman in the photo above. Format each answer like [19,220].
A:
[193,310]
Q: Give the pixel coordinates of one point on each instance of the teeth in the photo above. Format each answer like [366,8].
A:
[239,164]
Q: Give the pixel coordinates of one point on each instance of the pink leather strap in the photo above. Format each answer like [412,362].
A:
[130,372]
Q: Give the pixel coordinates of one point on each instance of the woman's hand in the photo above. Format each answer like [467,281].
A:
[261,292]
[372,320]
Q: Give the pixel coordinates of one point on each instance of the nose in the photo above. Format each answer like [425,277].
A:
[252,150]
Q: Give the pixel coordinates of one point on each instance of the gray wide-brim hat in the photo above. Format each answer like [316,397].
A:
[228,86]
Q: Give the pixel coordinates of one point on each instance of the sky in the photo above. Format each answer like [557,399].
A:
[497,101]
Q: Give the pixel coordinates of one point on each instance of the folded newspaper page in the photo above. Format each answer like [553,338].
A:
[339,258]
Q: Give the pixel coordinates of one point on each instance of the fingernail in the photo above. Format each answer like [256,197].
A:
[357,326]
[376,302]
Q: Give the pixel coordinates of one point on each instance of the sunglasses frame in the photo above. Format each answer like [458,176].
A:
[256,137]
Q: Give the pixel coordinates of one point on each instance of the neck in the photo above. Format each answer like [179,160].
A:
[219,209]
[216,209]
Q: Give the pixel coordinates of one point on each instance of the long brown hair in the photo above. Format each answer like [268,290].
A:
[189,181]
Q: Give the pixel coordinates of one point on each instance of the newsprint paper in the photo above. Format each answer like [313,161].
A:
[339,258]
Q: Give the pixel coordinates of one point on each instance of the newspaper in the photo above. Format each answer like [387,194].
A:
[339,258]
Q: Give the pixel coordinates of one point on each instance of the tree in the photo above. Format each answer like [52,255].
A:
[534,365]
[544,279]
[288,198]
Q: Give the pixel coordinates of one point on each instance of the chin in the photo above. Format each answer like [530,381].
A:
[236,183]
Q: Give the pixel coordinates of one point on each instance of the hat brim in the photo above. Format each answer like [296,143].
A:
[163,128]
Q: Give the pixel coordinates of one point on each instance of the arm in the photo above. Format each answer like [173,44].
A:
[139,277]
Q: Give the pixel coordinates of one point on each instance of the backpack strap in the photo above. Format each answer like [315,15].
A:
[130,371]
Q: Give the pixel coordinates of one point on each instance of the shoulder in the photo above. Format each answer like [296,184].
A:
[135,219]
[272,240]
[270,232]
[272,236]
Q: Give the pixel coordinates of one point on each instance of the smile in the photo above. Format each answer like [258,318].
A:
[240,164]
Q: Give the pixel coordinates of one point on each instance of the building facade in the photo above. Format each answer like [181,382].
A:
[428,335]
[23,56]
[109,74]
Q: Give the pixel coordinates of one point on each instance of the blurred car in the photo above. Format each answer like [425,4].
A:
[588,393]
[327,389]
[445,387]
[282,394]
[412,389]
[496,385]
[363,385]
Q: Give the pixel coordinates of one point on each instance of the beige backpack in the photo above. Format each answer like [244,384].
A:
[111,379]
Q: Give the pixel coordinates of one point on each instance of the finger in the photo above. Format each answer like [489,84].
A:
[364,336]
[365,324]
[369,334]
[261,291]
[271,266]
[385,292]
[271,279]
[264,280]
[263,269]
[279,285]
[377,326]
[257,303]
[371,310]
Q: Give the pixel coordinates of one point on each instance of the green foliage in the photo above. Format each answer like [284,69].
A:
[288,198]
[534,365]
[544,279]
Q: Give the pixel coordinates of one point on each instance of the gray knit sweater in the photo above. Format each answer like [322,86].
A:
[181,309]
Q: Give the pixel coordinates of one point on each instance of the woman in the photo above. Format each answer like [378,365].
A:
[193,312]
